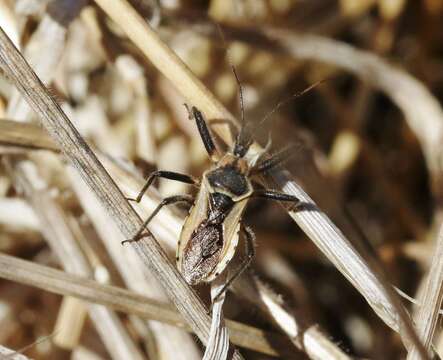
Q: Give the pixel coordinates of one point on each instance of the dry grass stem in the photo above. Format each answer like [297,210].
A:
[56,228]
[59,282]
[364,157]
[78,152]
[306,337]
[70,322]
[314,223]
[8,354]
[218,344]
[129,265]
[26,135]
[431,299]
[49,40]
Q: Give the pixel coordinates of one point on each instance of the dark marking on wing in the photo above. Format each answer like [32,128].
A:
[228,178]
[202,253]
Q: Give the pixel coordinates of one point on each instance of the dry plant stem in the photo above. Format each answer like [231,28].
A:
[68,327]
[83,353]
[315,223]
[57,232]
[8,354]
[59,282]
[164,59]
[218,344]
[422,112]
[27,135]
[47,43]
[306,337]
[92,172]
[431,299]
[132,271]
[44,50]
[51,37]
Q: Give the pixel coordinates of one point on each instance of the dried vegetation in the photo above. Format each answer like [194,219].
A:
[370,158]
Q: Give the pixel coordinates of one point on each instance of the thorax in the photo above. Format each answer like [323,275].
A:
[229,177]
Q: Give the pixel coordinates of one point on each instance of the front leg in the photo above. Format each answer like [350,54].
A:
[204,132]
[278,196]
[277,159]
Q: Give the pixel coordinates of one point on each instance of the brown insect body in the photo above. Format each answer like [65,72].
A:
[210,234]
[209,237]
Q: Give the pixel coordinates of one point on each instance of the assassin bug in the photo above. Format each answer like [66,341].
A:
[209,236]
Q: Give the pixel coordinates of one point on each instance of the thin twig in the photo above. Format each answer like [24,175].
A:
[44,50]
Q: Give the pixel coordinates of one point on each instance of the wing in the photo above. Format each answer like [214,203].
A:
[197,214]
[231,227]
[228,232]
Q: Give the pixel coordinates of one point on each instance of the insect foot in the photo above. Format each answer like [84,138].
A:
[134,239]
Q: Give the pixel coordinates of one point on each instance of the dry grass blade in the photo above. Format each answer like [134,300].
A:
[173,68]
[314,223]
[424,115]
[345,257]
[62,283]
[431,299]
[8,354]
[130,267]
[27,135]
[307,337]
[93,173]
[166,61]
[218,344]
[58,233]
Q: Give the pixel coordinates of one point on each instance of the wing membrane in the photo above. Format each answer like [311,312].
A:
[197,214]
[231,225]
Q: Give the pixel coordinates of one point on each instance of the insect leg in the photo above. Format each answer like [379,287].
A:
[250,251]
[170,175]
[278,196]
[276,159]
[203,129]
[166,201]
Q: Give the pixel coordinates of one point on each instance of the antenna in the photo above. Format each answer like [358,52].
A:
[237,79]
[292,97]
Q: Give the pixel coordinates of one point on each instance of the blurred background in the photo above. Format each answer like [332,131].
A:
[359,150]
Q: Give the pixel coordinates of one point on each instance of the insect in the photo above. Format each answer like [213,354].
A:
[210,234]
